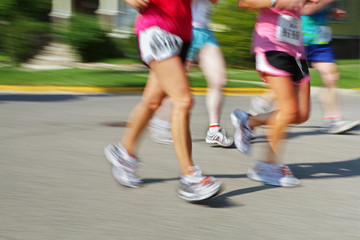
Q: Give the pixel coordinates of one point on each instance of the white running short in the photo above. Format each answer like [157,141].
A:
[158,44]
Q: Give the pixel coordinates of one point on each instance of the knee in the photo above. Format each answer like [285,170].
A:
[151,103]
[298,117]
[330,79]
[184,103]
[217,84]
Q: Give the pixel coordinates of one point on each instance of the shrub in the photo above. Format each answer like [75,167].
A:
[89,40]
[24,27]
[128,46]
[22,38]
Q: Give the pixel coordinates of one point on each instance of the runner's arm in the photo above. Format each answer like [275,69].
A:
[283,4]
[311,8]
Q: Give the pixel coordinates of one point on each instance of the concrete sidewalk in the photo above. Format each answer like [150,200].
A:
[56,184]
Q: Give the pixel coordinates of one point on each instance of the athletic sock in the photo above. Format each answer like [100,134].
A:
[332,118]
[214,127]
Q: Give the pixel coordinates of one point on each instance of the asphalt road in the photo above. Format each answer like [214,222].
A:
[56,184]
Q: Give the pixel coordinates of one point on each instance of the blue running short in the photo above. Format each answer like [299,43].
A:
[200,37]
[320,53]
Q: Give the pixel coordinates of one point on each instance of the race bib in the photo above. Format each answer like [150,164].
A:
[323,34]
[288,30]
[158,44]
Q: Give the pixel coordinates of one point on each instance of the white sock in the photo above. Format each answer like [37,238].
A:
[214,127]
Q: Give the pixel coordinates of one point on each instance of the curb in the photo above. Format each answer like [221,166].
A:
[117,90]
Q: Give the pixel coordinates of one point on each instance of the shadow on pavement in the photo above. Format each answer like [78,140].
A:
[56,97]
[317,130]
[38,97]
[339,169]
[223,201]
[349,168]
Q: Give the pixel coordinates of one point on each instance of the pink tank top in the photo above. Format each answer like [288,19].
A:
[279,30]
[173,16]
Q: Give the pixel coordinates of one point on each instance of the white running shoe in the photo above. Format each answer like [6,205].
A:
[273,174]
[259,105]
[196,187]
[124,166]
[160,133]
[339,126]
[243,133]
[220,138]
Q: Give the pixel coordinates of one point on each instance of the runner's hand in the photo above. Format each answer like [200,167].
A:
[338,13]
[139,4]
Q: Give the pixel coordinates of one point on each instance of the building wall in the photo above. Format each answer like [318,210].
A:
[346,33]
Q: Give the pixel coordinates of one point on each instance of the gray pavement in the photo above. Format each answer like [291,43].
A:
[56,184]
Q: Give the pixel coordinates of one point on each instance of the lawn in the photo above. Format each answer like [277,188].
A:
[349,69]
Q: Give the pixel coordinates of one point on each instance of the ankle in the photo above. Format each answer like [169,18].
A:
[214,127]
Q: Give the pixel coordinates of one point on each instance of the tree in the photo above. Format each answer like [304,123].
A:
[236,33]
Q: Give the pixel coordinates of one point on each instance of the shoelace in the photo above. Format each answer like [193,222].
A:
[131,164]
[222,135]
[286,171]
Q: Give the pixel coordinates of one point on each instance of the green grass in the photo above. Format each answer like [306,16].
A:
[73,77]
[122,61]
[349,69]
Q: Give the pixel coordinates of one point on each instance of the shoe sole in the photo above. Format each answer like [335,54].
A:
[345,128]
[237,134]
[110,158]
[216,190]
[123,181]
[218,143]
[254,176]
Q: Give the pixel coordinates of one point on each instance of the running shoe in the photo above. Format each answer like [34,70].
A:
[273,174]
[339,126]
[196,187]
[259,105]
[160,134]
[220,138]
[124,166]
[243,133]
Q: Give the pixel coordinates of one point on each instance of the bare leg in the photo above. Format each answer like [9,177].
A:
[164,111]
[212,64]
[173,80]
[329,99]
[142,113]
[290,99]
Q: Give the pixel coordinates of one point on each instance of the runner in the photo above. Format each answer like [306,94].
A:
[321,56]
[163,29]
[205,50]
[281,62]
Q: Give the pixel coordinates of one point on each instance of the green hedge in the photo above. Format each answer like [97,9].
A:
[24,38]
[24,28]
[87,37]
